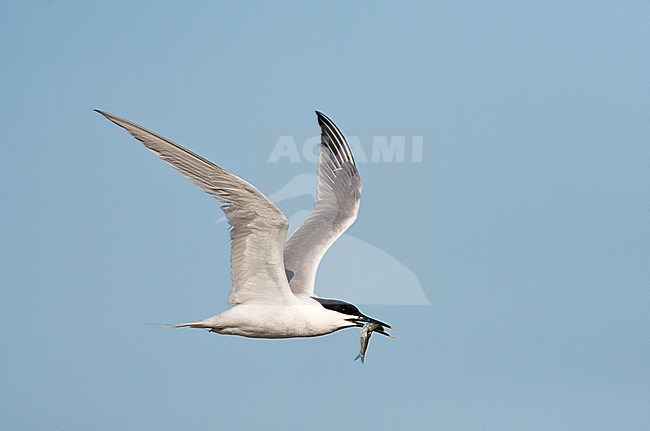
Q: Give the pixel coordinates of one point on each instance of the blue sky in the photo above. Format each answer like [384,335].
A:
[525,223]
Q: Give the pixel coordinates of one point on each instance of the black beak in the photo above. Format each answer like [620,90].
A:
[363,319]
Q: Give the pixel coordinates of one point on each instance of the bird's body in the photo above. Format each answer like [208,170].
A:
[273,282]
[308,319]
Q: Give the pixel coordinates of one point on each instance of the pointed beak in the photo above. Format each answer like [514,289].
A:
[363,319]
[382,331]
[367,319]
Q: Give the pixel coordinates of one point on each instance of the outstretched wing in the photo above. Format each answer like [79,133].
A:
[336,208]
[259,228]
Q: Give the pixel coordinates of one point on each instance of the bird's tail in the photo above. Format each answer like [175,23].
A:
[201,324]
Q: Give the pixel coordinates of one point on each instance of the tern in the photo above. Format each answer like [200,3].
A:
[273,281]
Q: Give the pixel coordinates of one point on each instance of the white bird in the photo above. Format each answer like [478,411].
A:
[272,292]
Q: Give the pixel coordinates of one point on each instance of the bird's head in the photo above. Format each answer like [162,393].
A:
[353,315]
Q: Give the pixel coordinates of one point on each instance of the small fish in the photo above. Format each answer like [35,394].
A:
[366,333]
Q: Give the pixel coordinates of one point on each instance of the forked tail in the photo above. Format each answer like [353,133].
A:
[201,324]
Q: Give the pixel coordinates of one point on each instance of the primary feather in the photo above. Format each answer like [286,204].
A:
[259,228]
[336,208]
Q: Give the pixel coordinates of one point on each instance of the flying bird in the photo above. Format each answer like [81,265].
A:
[273,280]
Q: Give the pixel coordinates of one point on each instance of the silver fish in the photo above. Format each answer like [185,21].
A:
[366,333]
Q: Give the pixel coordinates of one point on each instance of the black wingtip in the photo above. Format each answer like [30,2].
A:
[322,117]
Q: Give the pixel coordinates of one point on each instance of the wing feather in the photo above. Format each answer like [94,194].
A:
[336,208]
[259,228]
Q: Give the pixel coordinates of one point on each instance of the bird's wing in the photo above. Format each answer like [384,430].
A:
[259,228]
[336,208]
